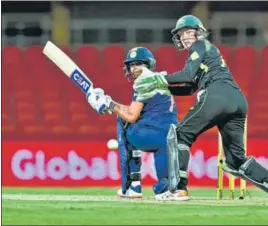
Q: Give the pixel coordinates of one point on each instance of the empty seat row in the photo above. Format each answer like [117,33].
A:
[37,98]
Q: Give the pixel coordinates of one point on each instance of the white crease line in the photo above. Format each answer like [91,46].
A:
[150,199]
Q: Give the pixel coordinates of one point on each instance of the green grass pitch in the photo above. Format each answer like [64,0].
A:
[93,206]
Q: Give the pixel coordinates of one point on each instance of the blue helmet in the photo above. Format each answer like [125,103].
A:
[141,54]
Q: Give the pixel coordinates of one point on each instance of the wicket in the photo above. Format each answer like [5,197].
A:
[220,184]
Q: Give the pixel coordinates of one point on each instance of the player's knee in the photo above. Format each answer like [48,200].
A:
[185,137]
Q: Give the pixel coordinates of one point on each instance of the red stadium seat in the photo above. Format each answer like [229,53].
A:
[20,83]
[245,58]
[74,93]
[113,77]
[226,53]
[6,118]
[167,58]
[26,118]
[111,130]
[37,63]
[53,113]
[81,107]
[182,59]
[258,106]
[8,128]
[113,57]
[47,95]
[91,131]
[61,130]
[24,95]
[26,114]
[34,130]
[53,118]
[244,67]
[88,59]
[260,95]
[80,118]
[39,100]
[263,61]
[105,120]
[51,106]
[25,108]
[6,100]
[40,69]
[13,63]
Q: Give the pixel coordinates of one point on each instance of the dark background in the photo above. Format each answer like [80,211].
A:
[134,8]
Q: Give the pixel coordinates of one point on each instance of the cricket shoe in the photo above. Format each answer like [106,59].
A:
[133,192]
[179,195]
[129,194]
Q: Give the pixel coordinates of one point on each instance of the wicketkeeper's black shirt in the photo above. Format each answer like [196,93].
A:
[203,66]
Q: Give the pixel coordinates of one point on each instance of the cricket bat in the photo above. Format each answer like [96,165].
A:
[66,64]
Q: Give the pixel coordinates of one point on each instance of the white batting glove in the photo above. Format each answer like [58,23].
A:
[104,104]
[93,96]
[101,105]
[100,102]
[110,103]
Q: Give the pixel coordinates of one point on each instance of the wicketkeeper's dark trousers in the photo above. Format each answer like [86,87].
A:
[220,105]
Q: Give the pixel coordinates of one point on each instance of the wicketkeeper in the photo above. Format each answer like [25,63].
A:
[220,103]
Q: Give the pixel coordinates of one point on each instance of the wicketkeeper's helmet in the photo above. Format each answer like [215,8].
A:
[188,21]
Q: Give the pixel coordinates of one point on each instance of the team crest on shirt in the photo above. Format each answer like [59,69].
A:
[194,55]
